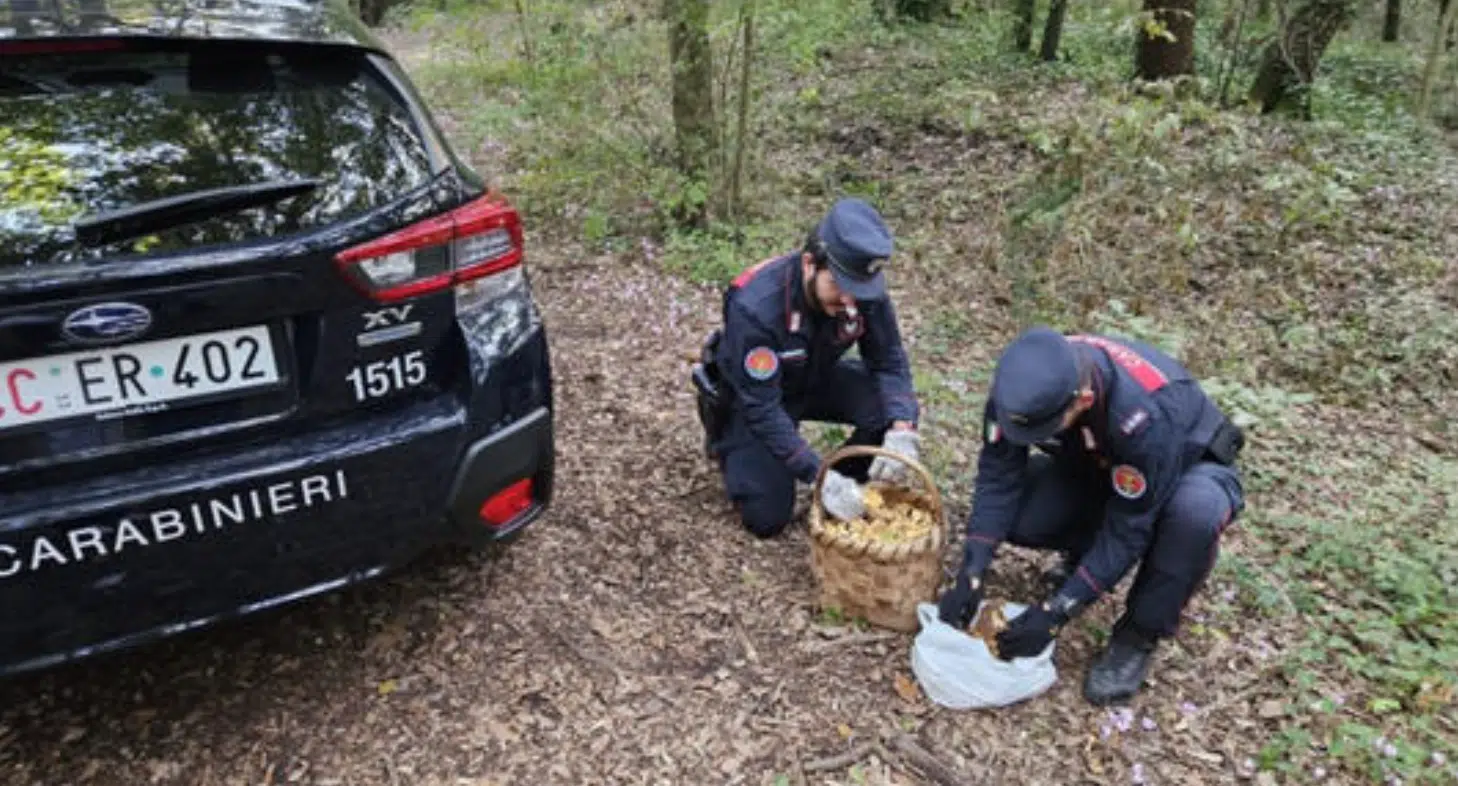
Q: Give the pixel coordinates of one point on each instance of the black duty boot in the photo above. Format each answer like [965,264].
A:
[1119,673]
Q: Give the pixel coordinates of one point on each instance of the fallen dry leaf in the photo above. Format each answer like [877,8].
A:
[906,689]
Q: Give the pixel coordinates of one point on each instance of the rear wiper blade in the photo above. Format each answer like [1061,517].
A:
[159,214]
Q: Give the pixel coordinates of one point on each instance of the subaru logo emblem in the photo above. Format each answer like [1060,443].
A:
[106,323]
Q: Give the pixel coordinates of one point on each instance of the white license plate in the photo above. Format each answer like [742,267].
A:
[136,379]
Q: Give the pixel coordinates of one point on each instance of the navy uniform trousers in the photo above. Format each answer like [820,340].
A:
[1062,507]
[761,486]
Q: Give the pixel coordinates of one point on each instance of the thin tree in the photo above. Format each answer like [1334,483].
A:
[1237,47]
[1435,56]
[1392,22]
[1023,13]
[691,60]
[1443,9]
[1053,29]
[741,137]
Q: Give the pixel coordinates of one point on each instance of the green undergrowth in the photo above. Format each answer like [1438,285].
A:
[1363,589]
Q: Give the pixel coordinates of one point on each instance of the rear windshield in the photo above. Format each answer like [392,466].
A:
[86,133]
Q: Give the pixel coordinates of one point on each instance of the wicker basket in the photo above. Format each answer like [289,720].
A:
[881,582]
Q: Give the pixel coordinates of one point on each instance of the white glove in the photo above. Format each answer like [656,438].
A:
[842,497]
[902,442]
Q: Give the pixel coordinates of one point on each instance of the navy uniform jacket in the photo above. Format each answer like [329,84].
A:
[775,349]
[1151,423]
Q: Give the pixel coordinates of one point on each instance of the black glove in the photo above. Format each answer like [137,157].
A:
[1030,633]
[960,604]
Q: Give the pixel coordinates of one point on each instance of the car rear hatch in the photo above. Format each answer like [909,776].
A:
[201,243]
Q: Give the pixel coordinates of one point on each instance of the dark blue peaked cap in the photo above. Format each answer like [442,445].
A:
[1035,382]
[857,244]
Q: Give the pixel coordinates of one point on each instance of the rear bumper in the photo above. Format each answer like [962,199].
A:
[523,450]
[139,558]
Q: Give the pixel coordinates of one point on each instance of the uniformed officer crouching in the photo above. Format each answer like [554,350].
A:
[1138,464]
[778,361]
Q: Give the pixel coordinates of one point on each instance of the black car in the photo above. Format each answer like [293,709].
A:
[262,333]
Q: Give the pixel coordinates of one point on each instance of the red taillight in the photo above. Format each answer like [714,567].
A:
[477,239]
[507,504]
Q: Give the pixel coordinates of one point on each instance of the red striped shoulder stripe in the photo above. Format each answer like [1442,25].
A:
[1145,373]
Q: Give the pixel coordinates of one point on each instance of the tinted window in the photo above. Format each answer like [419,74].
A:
[92,132]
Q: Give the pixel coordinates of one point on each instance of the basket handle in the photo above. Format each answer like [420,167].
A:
[852,451]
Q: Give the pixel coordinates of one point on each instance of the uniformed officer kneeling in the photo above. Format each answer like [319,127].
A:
[1138,465]
[788,321]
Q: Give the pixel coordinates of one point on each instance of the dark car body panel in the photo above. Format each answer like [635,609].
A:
[119,530]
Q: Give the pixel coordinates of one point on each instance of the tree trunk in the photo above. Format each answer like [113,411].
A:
[1392,25]
[693,97]
[1289,64]
[1158,57]
[1237,49]
[922,10]
[1435,56]
[1229,23]
[741,135]
[1023,24]
[1443,9]
[1053,29]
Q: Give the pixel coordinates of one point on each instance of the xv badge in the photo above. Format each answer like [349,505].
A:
[386,317]
[386,325]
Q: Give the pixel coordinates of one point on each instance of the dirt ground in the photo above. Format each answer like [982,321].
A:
[634,636]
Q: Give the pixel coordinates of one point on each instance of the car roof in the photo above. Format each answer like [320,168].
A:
[306,21]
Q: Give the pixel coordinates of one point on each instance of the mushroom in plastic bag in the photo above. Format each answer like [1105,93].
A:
[957,670]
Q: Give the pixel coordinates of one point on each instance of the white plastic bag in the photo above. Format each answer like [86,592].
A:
[958,671]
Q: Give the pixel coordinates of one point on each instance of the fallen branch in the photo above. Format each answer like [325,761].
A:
[840,761]
[920,758]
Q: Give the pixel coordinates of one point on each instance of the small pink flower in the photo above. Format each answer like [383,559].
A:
[1138,773]
[1148,724]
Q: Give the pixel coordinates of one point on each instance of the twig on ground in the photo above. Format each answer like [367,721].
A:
[839,761]
[851,640]
[923,760]
[749,651]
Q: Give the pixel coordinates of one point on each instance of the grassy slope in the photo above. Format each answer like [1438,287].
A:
[1305,270]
